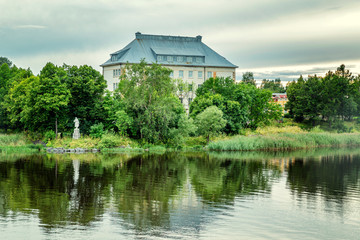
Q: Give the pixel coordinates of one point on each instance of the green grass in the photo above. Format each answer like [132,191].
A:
[285,141]
[31,148]
[13,140]
[106,142]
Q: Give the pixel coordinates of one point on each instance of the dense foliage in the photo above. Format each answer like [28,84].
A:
[243,105]
[146,105]
[149,102]
[329,98]
[51,100]
[274,86]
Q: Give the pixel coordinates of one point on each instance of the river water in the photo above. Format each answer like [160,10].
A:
[297,195]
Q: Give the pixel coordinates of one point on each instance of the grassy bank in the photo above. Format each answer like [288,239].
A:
[17,143]
[105,142]
[13,140]
[271,138]
[285,141]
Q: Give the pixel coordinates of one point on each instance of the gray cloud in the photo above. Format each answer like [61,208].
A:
[290,75]
[250,34]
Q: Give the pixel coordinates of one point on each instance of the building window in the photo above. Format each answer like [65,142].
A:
[190,87]
[179,59]
[159,58]
[170,58]
[189,100]
[199,85]
[209,74]
[200,74]
[172,74]
[113,58]
[198,60]
[190,74]
[115,86]
[181,100]
[116,72]
[181,73]
[189,59]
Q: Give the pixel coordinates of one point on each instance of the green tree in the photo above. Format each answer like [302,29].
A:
[243,104]
[223,93]
[210,122]
[274,86]
[8,77]
[149,98]
[248,77]
[312,97]
[331,97]
[45,100]
[295,104]
[6,61]
[123,122]
[87,88]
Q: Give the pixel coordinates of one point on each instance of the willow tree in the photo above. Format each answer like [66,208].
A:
[149,99]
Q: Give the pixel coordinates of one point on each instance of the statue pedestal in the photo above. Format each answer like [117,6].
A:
[76,134]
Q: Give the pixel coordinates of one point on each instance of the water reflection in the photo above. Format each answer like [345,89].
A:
[153,194]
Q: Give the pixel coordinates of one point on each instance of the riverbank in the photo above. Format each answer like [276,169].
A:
[265,139]
[17,143]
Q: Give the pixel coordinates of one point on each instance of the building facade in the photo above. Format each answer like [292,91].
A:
[280,98]
[188,57]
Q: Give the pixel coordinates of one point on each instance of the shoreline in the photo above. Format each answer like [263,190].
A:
[274,142]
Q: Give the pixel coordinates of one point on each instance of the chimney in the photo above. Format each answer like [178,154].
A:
[198,37]
[137,35]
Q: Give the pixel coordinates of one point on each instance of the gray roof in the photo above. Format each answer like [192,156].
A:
[168,50]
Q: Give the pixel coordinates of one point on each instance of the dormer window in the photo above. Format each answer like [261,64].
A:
[170,58]
[198,60]
[159,58]
[180,59]
[189,59]
[113,58]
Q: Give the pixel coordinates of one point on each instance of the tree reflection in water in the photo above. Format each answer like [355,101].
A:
[157,191]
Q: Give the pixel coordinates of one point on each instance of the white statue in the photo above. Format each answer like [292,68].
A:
[76,134]
[76,121]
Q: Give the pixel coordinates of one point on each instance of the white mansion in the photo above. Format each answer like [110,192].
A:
[188,57]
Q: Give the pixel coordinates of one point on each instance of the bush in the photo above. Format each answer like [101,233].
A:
[195,141]
[340,126]
[49,135]
[316,129]
[97,130]
[111,141]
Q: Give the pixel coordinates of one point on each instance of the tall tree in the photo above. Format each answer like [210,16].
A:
[5,60]
[149,98]
[274,86]
[248,77]
[9,77]
[45,101]
[87,88]
[243,105]
[210,122]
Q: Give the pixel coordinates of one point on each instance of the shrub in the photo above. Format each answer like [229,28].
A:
[340,126]
[97,130]
[111,141]
[123,122]
[316,129]
[49,135]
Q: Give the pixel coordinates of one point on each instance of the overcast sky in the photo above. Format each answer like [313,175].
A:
[272,38]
